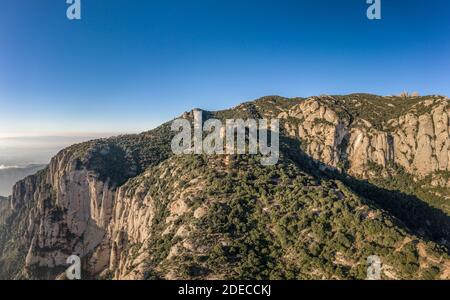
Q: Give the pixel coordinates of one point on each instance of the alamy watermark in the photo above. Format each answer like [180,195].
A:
[374,268]
[74,10]
[374,10]
[258,137]
[73,272]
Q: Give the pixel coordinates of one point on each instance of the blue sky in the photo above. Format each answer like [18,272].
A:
[129,65]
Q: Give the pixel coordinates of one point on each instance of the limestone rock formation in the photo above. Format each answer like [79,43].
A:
[418,139]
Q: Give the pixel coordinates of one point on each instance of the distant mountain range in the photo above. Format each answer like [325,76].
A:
[10,175]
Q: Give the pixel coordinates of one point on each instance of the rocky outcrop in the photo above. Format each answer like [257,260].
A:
[418,140]
[422,141]
[131,225]
[320,128]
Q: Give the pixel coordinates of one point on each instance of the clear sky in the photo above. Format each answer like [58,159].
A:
[129,65]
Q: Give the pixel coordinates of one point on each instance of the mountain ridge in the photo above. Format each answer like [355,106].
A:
[93,199]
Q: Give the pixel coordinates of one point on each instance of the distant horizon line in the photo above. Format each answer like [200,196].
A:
[63,134]
[106,134]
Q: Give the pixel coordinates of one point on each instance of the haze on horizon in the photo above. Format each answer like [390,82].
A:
[25,150]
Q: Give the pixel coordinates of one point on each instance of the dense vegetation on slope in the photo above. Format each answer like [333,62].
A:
[407,201]
[271,223]
[378,110]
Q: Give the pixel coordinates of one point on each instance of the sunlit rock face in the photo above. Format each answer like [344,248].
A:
[418,139]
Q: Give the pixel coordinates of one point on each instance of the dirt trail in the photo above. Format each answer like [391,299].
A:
[430,259]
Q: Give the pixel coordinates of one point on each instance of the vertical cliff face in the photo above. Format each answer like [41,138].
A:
[320,128]
[129,232]
[132,211]
[418,139]
[421,139]
[68,210]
